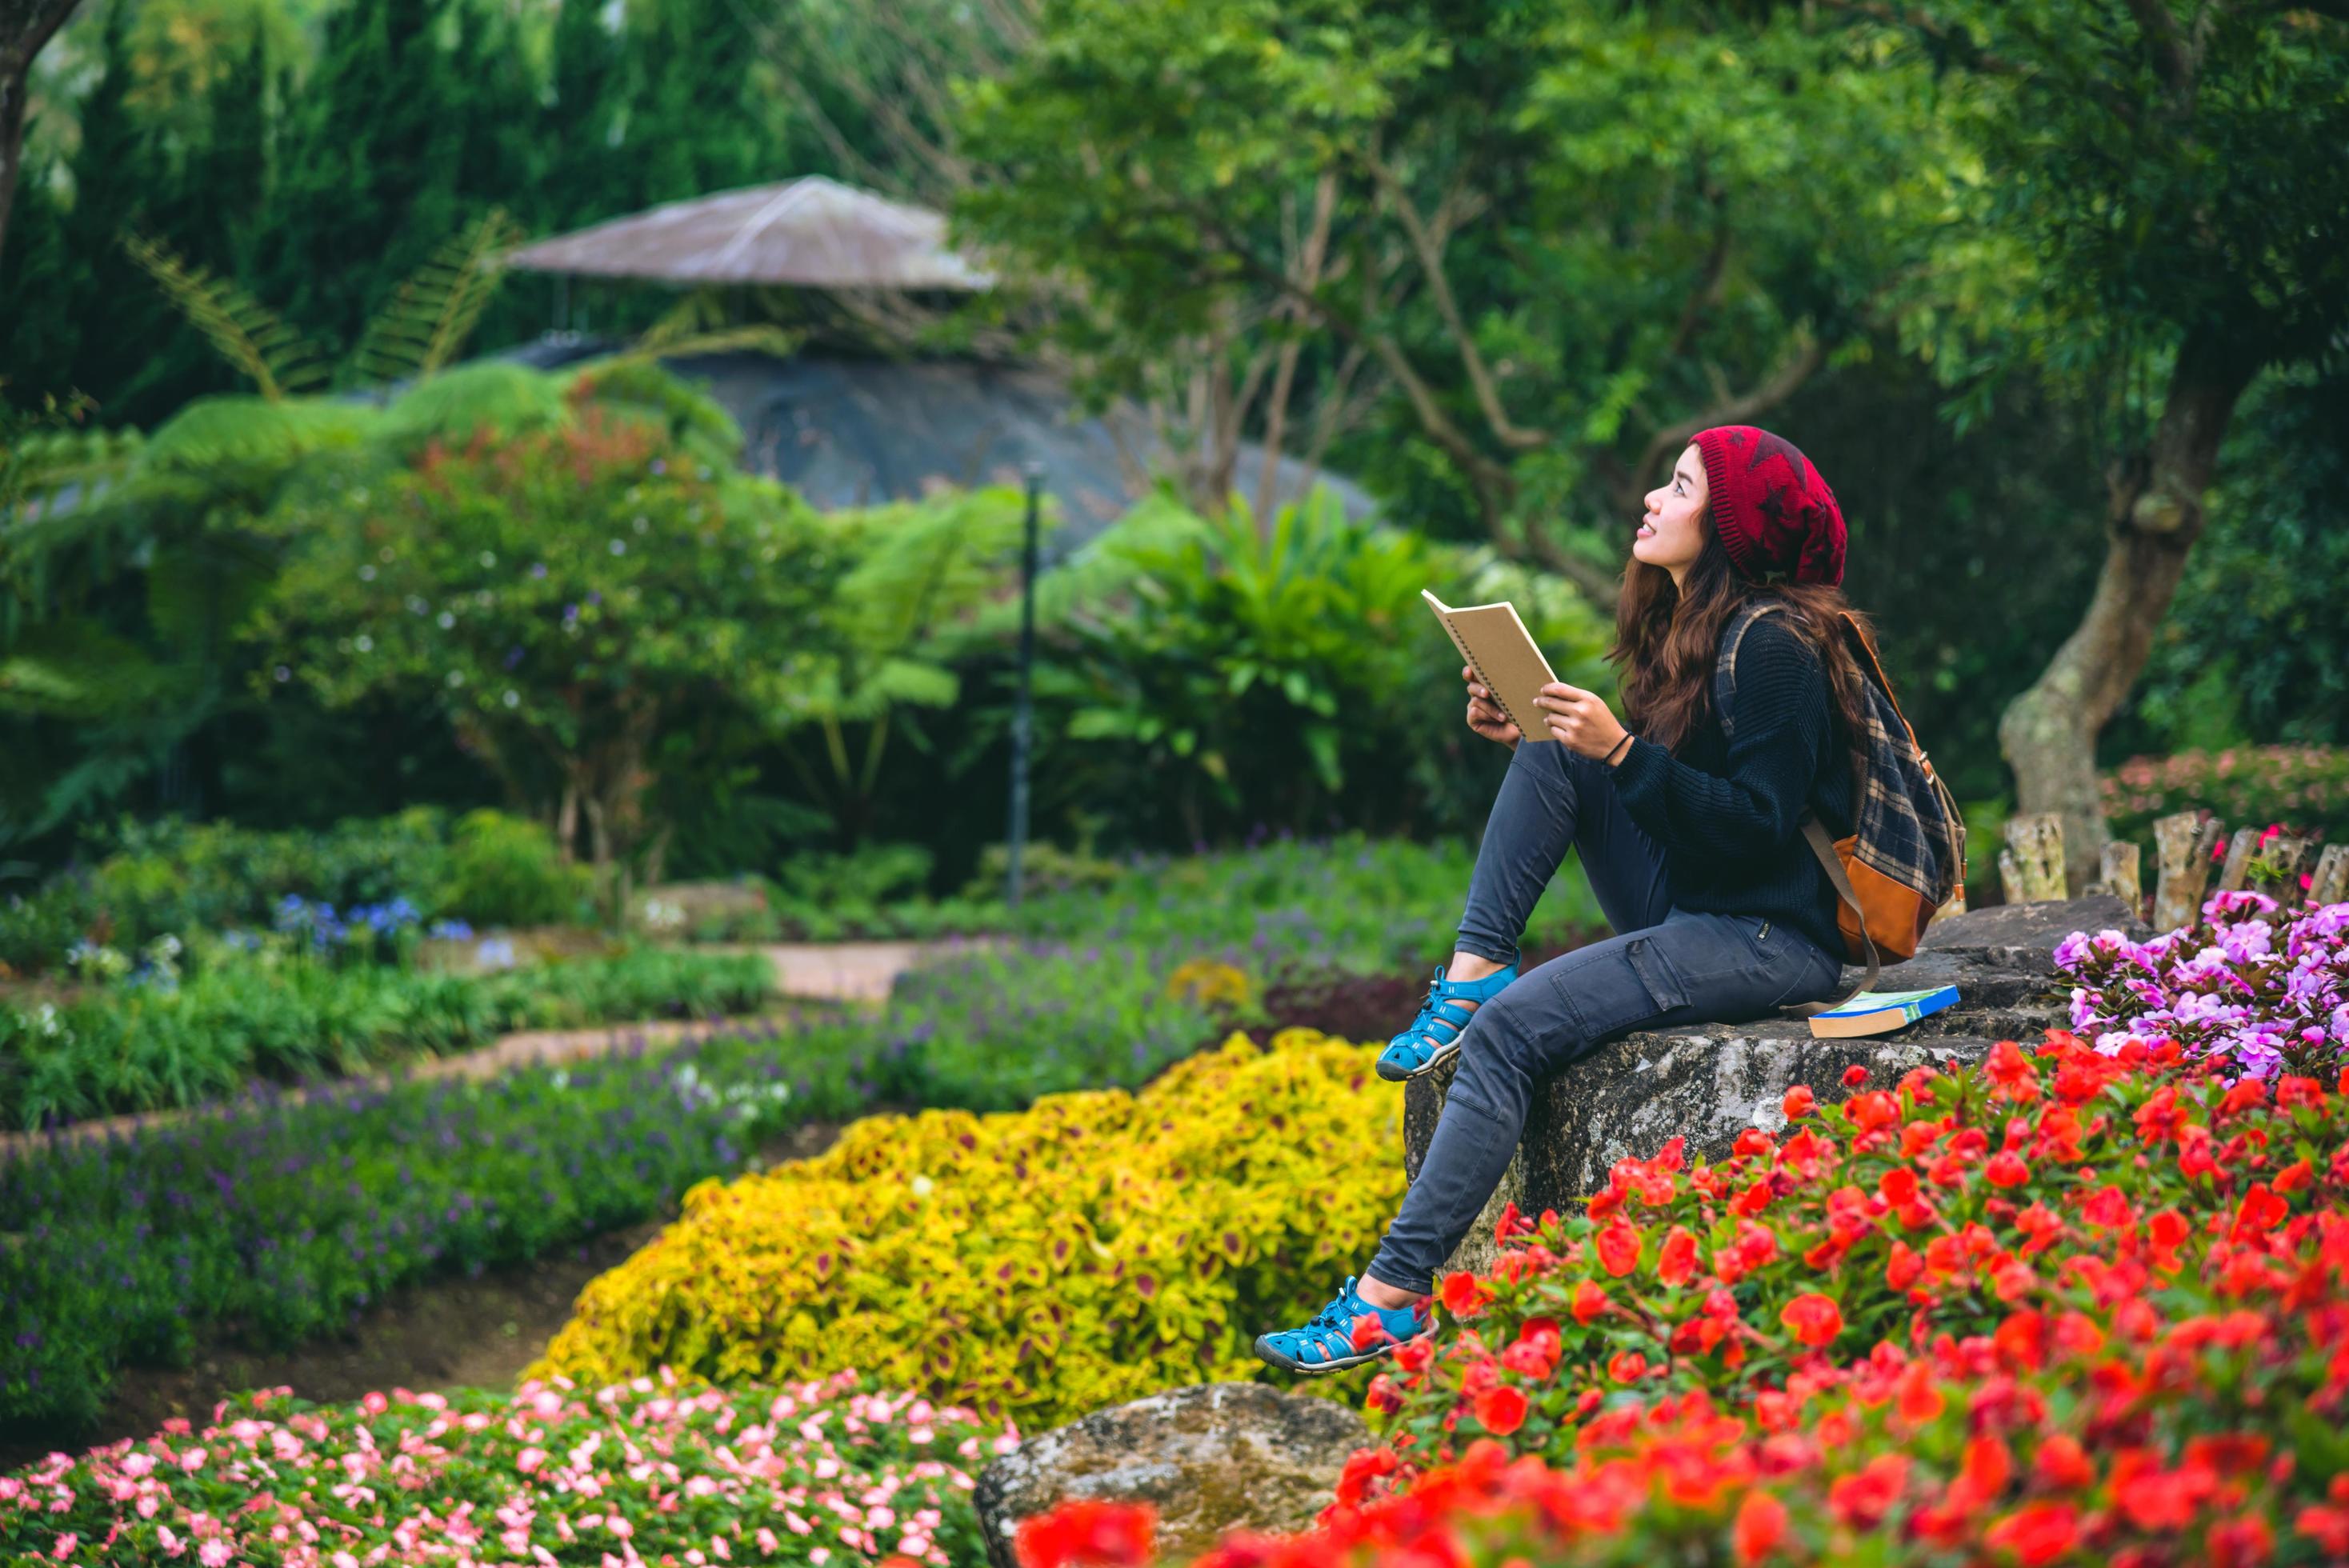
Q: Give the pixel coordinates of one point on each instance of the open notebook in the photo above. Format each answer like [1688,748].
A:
[1501,651]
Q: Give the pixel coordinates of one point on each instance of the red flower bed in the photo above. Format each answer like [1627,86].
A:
[2064,1307]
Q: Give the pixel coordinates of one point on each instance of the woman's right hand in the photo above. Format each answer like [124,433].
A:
[1484,716]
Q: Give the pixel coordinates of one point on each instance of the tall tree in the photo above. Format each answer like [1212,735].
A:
[26,28]
[229,170]
[1543,243]
[121,179]
[368,182]
[579,121]
[693,125]
[2164,180]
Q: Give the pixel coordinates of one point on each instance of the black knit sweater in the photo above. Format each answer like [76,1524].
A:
[1727,814]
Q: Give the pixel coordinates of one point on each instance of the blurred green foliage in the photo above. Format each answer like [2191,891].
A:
[281,1015]
[168,877]
[1636,218]
[1216,674]
[573,595]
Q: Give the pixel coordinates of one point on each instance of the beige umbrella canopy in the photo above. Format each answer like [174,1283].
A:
[814,232]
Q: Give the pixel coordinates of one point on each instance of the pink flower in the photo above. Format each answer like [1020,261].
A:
[529,1460]
[766,1539]
[65,1544]
[374,1404]
[215,1553]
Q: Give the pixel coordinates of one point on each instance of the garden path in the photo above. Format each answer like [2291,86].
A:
[855,971]
[841,971]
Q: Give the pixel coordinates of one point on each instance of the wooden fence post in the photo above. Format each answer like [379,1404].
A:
[2239,860]
[2287,853]
[2118,875]
[2330,882]
[2183,843]
[2031,867]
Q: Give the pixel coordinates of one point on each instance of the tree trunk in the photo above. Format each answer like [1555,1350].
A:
[566,823]
[26,27]
[2048,735]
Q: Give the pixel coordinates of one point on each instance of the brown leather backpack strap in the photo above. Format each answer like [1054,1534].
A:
[1824,847]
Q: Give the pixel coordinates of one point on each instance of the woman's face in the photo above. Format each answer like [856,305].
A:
[1673,531]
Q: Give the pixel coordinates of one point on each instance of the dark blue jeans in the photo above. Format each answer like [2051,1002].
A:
[1664,965]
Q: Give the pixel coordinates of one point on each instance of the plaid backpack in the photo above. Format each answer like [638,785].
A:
[1907,856]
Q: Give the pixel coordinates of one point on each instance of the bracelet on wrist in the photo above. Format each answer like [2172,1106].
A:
[1618,746]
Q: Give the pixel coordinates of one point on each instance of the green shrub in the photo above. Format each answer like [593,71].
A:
[1214,674]
[505,871]
[173,878]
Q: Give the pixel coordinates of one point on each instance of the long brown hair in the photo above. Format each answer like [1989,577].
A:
[1668,639]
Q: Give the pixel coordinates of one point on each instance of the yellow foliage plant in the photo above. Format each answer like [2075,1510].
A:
[1094,1248]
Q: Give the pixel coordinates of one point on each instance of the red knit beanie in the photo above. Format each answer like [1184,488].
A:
[1774,515]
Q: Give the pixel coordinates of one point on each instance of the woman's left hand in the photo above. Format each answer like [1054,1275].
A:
[1580,719]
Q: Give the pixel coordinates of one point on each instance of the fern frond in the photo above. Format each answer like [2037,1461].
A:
[436,308]
[774,340]
[246,332]
[696,311]
[36,468]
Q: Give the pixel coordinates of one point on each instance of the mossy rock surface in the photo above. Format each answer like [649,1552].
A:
[1208,1458]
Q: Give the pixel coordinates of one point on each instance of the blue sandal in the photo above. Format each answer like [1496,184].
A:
[1435,1034]
[1326,1343]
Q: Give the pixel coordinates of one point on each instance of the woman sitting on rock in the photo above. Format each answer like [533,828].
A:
[1720,910]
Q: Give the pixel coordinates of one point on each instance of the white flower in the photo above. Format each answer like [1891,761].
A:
[489,558]
[512,698]
[447,620]
[367,573]
[364,643]
[619,547]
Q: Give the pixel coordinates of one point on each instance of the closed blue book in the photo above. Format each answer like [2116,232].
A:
[1875,1012]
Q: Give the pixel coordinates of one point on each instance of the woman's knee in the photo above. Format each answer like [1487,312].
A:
[1517,1032]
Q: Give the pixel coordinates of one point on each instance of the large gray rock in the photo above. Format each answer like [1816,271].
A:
[1208,1457]
[1709,1082]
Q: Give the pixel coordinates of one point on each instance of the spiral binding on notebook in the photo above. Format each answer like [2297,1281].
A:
[1482,678]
